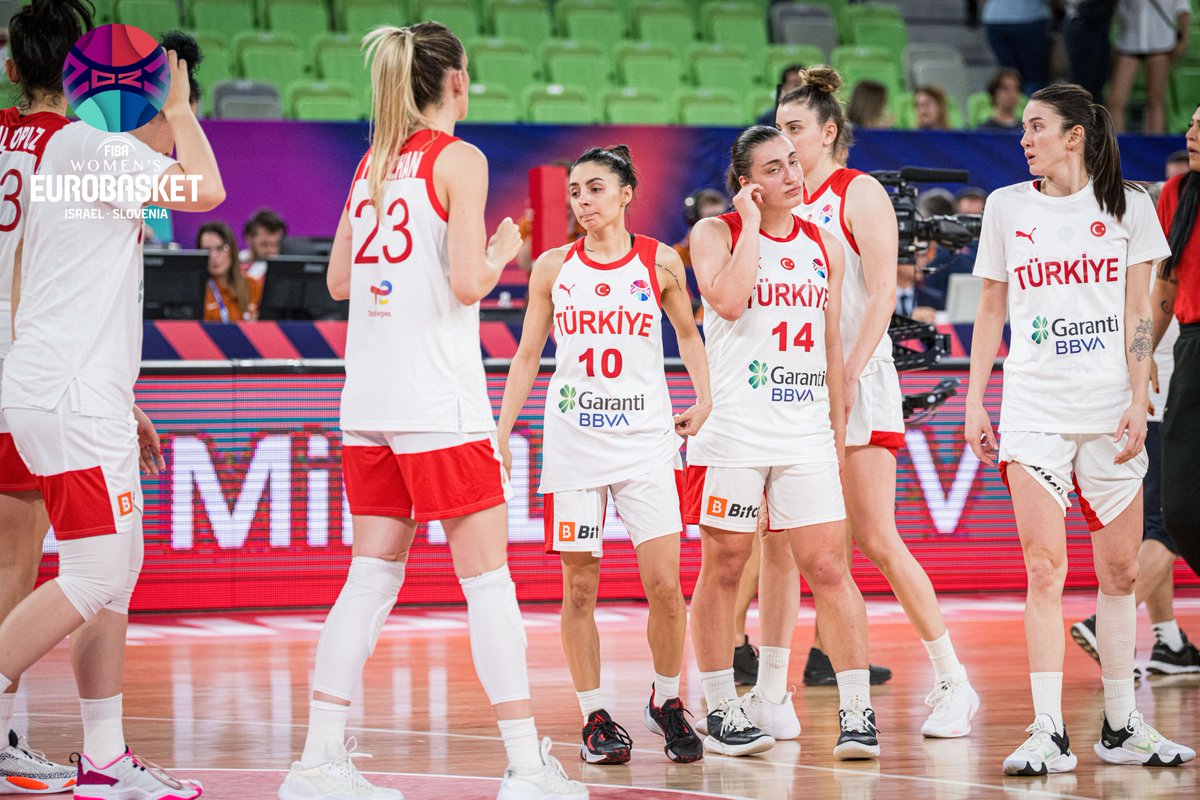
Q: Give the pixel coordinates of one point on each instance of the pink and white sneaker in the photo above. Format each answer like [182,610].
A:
[130,778]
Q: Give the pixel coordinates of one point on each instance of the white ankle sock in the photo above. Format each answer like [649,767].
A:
[665,688]
[103,732]
[772,672]
[1168,633]
[589,701]
[521,744]
[8,707]
[945,662]
[1047,696]
[718,685]
[1118,701]
[326,731]
[4,683]
[854,683]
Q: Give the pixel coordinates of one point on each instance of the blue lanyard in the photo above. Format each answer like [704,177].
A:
[212,285]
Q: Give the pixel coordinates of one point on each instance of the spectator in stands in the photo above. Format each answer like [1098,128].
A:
[868,107]
[1005,91]
[231,295]
[1018,32]
[970,200]
[914,298]
[1085,32]
[1149,33]
[790,79]
[1177,164]
[263,234]
[933,110]
[698,205]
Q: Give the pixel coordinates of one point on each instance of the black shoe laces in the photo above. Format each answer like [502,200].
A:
[609,730]
[674,720]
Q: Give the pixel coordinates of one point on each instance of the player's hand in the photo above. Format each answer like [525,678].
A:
[150,457]
[1133,426]
[977,430]
[505,454]
[177,102]
[504,244]
[689,422]
[746,202]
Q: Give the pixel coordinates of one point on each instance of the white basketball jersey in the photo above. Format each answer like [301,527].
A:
[770,401]
[22,141]
[1065,262]
[608,413]
[826,209]
[413,359]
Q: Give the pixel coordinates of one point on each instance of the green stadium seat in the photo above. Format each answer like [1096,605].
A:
[721,67]
[526,20]
[360,16]
[155,17]
[491,103]
[713,107]
[264,39]
[850,14]
[501,62]
[397,10]
[321,100]
[628,106]
[668,22]
[601,21]
[330,42]
[559,105]
[571,62]
[759,100]
[979,108]
[844,53]
[903,111]
[105,11]
[780,56]
[738,23]
[226,17]
[343,64]
[886,72]
[301,18]
[649,66]
[270,64]
[881,32]
[1183,95]
[460,16]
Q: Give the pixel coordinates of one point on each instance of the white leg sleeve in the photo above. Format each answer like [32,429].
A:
[497,635]
[354,623]
[99,571]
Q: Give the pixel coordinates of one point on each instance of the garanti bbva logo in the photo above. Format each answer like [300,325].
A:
[116,78]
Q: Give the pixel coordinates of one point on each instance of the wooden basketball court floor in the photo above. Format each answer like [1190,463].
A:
[223,699]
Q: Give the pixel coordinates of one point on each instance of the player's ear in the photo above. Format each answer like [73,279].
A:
[10,71]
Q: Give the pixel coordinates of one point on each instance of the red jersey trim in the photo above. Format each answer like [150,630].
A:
[734,221]
[433,143]
[814,233]
[795,230]
[12,119]
[578,250]
[649,256]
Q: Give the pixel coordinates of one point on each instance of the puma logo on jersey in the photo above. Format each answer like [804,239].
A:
[566,288]
[1024,235]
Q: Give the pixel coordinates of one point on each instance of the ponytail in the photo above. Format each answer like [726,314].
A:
[1183,223]
[408,70]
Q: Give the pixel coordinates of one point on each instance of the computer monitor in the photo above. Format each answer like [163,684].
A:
[307,246]
[294,289]
[175,281]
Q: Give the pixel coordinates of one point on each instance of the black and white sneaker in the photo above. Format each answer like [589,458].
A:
[1046,751]
[745,664]
[1165,661]
[859,737]
[1084,634]
[730,733]
[670,722]
[604,741]
[1139,744]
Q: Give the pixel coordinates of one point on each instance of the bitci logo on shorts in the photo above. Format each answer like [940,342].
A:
[116,78]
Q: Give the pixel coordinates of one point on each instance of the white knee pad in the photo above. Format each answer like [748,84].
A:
[99,572]
[497,635]
[354,623]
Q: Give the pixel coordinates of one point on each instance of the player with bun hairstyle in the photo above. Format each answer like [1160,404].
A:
[67,394]
[418,436]
[854,207]
[1076,384]
[771,284]
[610,273]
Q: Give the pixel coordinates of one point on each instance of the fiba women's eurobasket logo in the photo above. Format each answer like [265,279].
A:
[116,77]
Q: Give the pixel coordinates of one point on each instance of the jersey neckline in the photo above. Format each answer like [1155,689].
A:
[620,262]
[789,237]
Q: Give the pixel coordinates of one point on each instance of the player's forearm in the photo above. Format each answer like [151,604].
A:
[196,159]
[695,361]
[985,345]
[1139,352]
[874,327]
[522,372]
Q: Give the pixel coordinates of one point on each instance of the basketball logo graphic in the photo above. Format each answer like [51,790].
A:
[819,267]
[116,78]
[640,289]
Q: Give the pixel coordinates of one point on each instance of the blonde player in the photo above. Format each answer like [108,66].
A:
[771,284]
[419,440]
[856,209]
[608,428]
[1067,258]
[68,397]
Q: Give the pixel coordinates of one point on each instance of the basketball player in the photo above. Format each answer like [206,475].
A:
[68,397]
[419,439]
[771,284]
[608,428]
[857,211]
[1067,258]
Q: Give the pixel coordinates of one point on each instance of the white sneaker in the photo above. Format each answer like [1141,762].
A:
[1138,743]
[131,777]
[548,783]
[336,779]
[777,720]
[954,706]
[1044,752]
[26,771]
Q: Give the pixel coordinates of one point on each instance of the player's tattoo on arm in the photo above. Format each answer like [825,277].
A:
[670,272]
[1141,339]
[1167,307]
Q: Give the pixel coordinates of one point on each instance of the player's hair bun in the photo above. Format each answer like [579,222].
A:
[822,78]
